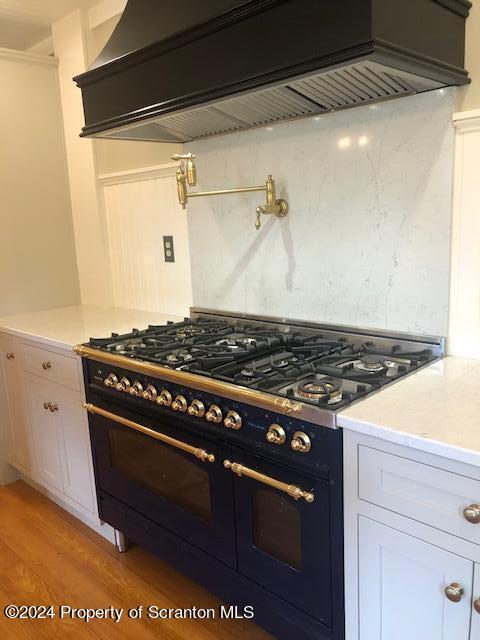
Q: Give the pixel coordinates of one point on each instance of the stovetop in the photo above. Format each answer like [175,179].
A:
[327,368]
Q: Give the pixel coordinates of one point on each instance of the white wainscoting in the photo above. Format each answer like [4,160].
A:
[140,208]
[464,325]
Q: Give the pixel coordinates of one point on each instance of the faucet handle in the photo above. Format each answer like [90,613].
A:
[258,222]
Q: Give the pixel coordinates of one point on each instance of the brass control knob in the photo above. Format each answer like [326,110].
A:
[165,398]
[196,409]
[123,385]
[111,380]
[180,404]
[301,442]
[454,592]
[472,513]
[276,434]
[150,393]
[136,389]
[233,420]
[214,414]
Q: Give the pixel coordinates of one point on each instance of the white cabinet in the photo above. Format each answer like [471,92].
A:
[401,587]
[46,433]
[60,434]
[412,528]
[44,424]
[12,411]
[475,628]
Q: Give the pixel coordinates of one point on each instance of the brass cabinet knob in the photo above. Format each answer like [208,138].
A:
[165,398]
[476,605]
[53,407]
[10,356]
[472,513]
[180,404]
[233,420]
[46,406]
[150,393]
[136,389]
[301,442]
[214,414]
[123,385]
[50,406]
[196,409]
[454,592]
[46,365]
[276,434]
[111,380]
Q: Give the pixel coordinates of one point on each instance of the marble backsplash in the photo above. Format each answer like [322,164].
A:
[367,239]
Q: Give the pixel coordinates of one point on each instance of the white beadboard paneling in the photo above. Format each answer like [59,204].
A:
[464,328]
[367,238]
[140,208]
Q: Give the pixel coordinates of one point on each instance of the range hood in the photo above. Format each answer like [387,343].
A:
[179,70]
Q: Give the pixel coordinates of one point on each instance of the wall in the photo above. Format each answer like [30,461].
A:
[37,252]
[469,97]
[367,239]
[140,208]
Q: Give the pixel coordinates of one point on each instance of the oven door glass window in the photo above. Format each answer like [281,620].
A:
[272,513]
[162,470]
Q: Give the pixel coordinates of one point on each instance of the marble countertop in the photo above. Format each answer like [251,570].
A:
[436,410]
[68,326]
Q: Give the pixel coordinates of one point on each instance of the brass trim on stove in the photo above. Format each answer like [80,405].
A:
[292,490]
[201,454]
[242,394]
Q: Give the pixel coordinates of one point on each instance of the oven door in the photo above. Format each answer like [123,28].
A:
[168,475]
[283,541]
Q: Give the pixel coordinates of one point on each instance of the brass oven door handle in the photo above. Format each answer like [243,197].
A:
[201,454]
[294,492]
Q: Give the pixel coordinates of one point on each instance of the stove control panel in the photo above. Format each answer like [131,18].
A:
[289,437]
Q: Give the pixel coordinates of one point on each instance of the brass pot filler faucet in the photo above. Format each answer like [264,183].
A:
[188,174]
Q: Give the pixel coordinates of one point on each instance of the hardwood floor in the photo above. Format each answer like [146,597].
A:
[49,557]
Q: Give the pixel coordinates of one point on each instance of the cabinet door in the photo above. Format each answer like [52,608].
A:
[76,458]
[47,437]
[401,587]
[15,425]
[475,630]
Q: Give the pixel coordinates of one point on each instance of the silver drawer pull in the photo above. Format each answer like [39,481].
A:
[454,592]
[472,513]
[46,365]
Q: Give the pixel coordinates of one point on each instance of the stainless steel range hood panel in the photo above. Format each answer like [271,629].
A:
[340,88]
[216,67]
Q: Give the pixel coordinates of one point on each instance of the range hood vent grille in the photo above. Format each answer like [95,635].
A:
[176,72]
[349,86]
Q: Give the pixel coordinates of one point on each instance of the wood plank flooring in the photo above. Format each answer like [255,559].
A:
[49,557]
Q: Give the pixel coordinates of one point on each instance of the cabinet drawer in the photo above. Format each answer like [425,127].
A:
[52,366]
[419,491]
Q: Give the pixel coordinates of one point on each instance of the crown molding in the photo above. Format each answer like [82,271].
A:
[13,55]
[467,120]
[136,175]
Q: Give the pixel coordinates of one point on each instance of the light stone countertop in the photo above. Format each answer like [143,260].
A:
[436,410]
[67,326]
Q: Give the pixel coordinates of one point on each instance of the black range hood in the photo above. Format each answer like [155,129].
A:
[179,70]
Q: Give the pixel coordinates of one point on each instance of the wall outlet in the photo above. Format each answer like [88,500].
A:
[168,249]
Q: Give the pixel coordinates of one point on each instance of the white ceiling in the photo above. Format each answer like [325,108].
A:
[23,23]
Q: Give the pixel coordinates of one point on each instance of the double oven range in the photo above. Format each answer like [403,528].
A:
[215,446]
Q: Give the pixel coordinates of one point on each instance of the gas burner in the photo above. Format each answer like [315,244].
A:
[372,363]
[127,347]
[317,390]
[237,343]
[178,357]
[189,331]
